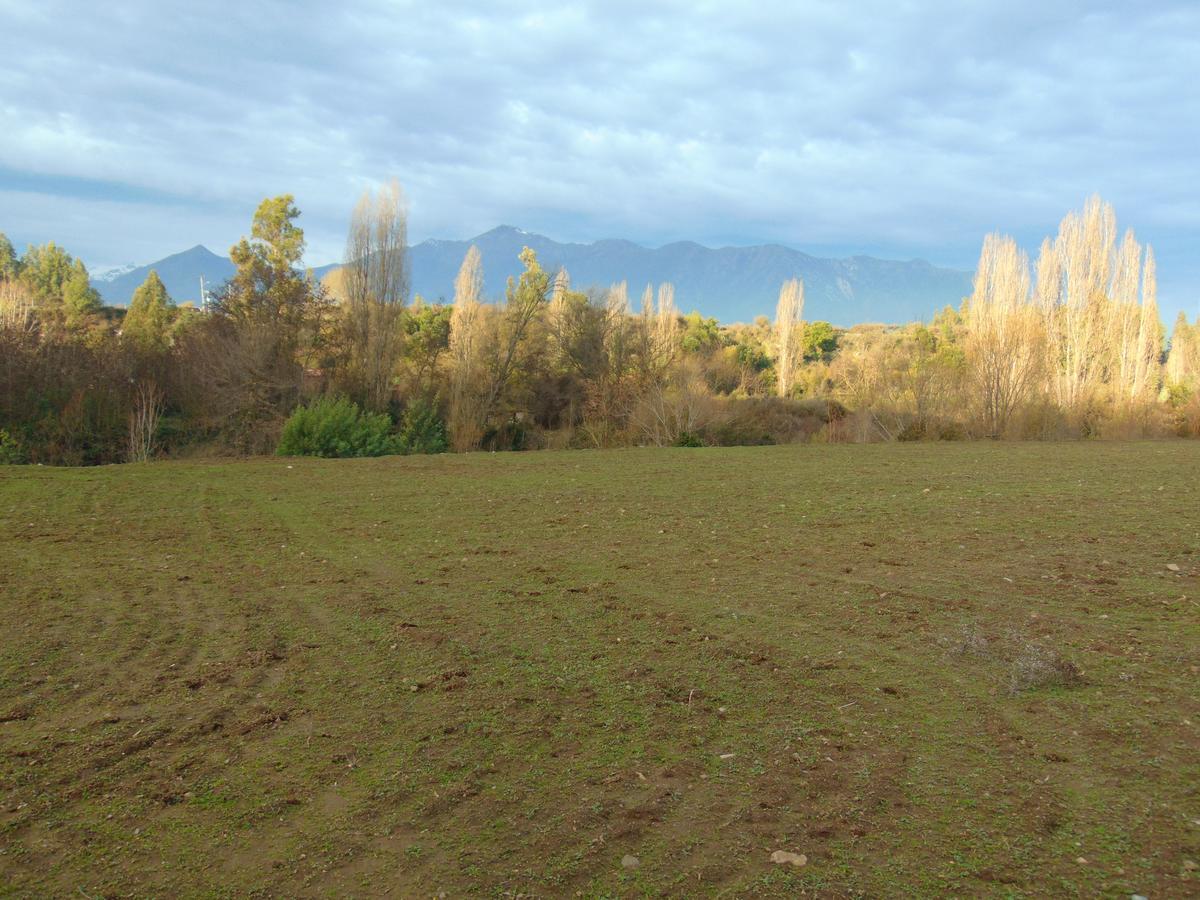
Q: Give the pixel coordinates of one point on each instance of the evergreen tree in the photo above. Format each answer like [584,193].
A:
[268,287]
[79,298]
[10,264]
[150,313]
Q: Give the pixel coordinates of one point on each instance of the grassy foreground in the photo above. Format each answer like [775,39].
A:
[501,674]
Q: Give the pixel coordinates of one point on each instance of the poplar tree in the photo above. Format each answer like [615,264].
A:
[1004,347]
[789,335]
[1183,362]
[1147,353]
[375,283]
[466,324]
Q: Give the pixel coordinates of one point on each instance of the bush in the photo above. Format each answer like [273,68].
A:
[11,453]
[951,431]
[1035,666]
[753,421]
[423,430]
[512,435]
[336,427]
[1026,663]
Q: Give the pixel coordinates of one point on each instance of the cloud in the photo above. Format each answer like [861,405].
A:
[131,131]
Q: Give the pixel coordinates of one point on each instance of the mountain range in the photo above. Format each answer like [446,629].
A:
[733,284]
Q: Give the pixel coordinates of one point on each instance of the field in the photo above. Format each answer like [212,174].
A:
[965,669]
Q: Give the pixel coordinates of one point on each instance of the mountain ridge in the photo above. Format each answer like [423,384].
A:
[729,283]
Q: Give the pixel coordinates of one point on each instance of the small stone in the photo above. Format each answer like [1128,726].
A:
[1081,861]
[1172,567]
[1190,865]
[630,862]
[786,858]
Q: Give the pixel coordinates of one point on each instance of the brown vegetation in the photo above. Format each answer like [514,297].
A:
[1071,348]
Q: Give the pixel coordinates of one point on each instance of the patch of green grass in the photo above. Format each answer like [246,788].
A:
[501,673]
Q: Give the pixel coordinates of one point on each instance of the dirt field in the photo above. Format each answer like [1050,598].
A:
[965,669]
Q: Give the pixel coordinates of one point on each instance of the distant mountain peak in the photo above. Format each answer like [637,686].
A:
[506,231]
[198,250]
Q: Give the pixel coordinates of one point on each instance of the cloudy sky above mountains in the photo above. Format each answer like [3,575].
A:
[131,130]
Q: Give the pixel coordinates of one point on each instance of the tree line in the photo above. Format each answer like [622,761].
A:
[1070,346]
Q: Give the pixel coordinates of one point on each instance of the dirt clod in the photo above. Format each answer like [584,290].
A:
[787,858]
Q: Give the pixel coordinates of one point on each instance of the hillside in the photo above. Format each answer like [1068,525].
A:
[730,283]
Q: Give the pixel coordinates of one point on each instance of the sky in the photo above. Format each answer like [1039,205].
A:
[132,130]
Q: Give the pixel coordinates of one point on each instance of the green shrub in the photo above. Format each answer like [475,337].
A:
[335,426]
[423,430]
[689,439]
[11,453]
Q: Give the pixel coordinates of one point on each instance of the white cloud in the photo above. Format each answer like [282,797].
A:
[874,126]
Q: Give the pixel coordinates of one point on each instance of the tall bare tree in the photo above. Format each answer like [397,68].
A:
[1124,314]
[1104,338]
[144,419]
[376,266]
[376,283]
[1148,355]
[1004,345]
[656,334]
[1183,362]
[666,322]
[1084,248]
[466,340]
[617,341]
[789,335]
[468,283]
